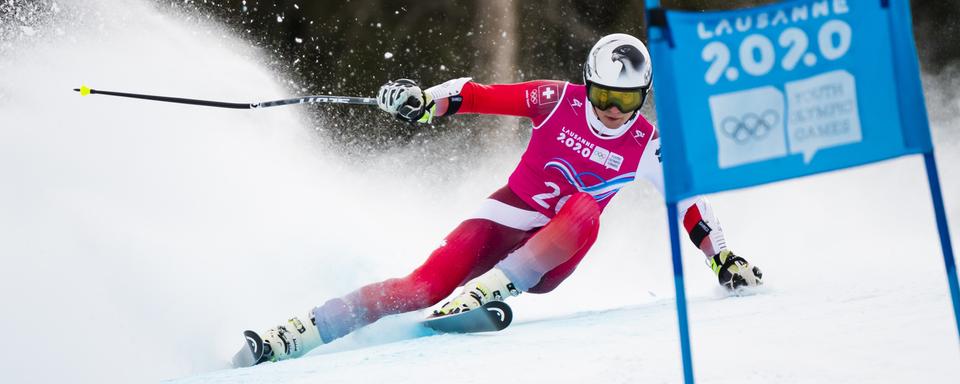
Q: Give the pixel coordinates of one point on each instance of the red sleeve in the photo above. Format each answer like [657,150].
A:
[520,99]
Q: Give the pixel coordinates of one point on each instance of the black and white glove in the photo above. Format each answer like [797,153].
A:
[734,272]
[403,99]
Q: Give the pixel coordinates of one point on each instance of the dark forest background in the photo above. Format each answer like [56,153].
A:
[351,47]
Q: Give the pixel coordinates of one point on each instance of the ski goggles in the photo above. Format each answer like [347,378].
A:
[626,100]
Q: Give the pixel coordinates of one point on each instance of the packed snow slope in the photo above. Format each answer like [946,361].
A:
[138,239]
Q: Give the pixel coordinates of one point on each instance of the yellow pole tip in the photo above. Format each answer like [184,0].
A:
[84,90]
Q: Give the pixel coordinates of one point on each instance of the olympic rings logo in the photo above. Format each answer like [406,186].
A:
[750,126]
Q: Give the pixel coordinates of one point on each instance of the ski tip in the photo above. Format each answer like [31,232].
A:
[502,311]
[252,352]
[490,317]
[84,90]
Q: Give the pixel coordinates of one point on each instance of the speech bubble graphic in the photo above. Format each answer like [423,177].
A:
[823,113]
[748,126]
[614,161]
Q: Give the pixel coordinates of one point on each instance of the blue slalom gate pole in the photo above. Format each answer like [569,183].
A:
[674,223]
[939,212]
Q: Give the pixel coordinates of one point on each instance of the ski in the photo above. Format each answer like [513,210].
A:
[253,352]
[490,317]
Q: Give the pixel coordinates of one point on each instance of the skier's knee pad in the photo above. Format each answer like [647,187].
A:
[579,206]
[579,217]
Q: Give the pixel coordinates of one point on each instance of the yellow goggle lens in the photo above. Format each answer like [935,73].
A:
[626,101]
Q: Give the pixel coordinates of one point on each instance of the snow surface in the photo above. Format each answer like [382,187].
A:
[138,239]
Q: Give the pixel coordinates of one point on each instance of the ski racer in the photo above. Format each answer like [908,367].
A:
[588,141]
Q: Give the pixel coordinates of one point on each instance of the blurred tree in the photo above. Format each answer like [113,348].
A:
[351,47]
[936,28]
[497,39]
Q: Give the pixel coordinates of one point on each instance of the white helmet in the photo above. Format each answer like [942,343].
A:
[619,61]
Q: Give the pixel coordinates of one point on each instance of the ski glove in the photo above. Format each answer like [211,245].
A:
[734,272]
[404,100]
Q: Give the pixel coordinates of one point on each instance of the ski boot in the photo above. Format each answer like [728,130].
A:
[491,286]
[291,339]
[734,272]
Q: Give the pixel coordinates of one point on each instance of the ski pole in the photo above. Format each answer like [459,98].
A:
[84,91]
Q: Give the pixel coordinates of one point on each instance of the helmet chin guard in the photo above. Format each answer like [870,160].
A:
[601,131]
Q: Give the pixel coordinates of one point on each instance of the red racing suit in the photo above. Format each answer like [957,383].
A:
[542,223]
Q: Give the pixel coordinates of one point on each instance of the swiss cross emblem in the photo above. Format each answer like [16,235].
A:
[548,94]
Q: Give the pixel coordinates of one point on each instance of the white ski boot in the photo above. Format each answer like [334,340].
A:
[734,272]
[491,286]
[291,339]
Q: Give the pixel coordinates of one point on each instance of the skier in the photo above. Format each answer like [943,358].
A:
[588,141]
